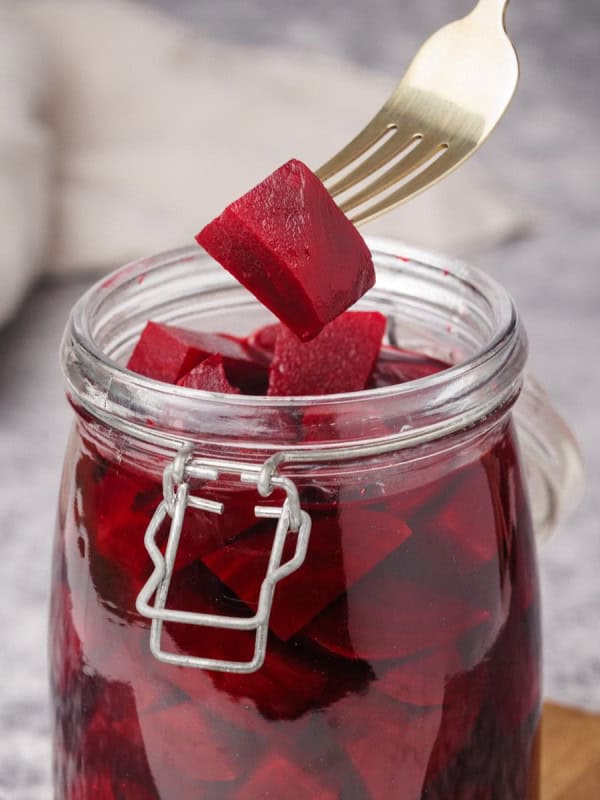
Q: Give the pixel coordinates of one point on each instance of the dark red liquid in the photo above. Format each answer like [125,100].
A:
[403,656]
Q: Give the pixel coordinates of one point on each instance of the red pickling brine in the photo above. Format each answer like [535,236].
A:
[403,655]
[371,641]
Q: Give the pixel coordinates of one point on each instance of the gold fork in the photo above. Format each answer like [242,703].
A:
[453,95]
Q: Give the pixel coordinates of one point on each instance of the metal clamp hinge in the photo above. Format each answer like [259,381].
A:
[290,519]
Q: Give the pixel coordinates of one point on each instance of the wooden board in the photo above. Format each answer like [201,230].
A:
[570,754]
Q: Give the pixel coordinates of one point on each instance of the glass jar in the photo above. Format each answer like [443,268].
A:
[362,619]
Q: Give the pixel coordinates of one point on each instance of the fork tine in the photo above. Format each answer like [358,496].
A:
[370,135]
[388,150]
[415,159]
[424,180]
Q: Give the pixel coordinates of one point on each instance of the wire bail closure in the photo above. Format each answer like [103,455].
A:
[176,499]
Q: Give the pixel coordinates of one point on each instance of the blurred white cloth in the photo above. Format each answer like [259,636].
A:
[24,160]
[158,128]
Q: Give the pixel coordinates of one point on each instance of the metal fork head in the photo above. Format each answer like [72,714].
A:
[453,95]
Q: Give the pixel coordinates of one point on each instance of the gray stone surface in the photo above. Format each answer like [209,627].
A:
[545,152]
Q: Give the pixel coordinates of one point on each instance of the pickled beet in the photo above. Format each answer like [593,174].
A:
[168,353]
[387,743]
[287,241]
[393,606]
[340,359]
[402,657]
[209,376]
[274,777]
[263,340]
[336,559]
[346,356]
[421,681]
[186,741]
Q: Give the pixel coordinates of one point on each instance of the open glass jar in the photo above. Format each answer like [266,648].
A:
[362,619]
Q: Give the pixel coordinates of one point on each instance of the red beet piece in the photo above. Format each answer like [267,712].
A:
[209,376]
[167,353]
[422,681]
[183,740]
[115,508]
[284,687]
[399,366]
[340,359]
[112,738]
[402,618]
[291,246]
[196,686]
[263,340]
[387,743]
[341,551]
[469,530]
[275,777]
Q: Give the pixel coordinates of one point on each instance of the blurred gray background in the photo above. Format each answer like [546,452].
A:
[545,153]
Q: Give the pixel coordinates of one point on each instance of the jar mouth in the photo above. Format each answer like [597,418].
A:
[435,305]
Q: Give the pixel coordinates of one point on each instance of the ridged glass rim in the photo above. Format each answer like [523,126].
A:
[439,405]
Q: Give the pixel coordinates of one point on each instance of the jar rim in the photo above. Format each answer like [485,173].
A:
[437,405]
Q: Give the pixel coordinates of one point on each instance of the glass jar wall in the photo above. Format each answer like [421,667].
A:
[402,658]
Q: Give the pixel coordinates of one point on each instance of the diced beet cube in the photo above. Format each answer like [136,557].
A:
[116,509]
[460,528]
[276,777]
[415,492]
[422,681]
[342,550]
[196,686]
[167,353]
[113,735]
[317,750]
[340,359]
[399,366]
[116,505]
[473,546]
[383,617]
[182,740]
[284,687]
[488,588]
[263,340]
[288,243]
[204,532]
[121,662]
[209,376]
[387,742]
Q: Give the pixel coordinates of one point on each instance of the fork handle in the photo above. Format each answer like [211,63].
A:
[489,6]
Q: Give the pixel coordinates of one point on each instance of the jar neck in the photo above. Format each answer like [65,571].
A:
[434,305]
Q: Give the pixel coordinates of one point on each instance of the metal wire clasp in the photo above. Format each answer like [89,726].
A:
[176,499]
